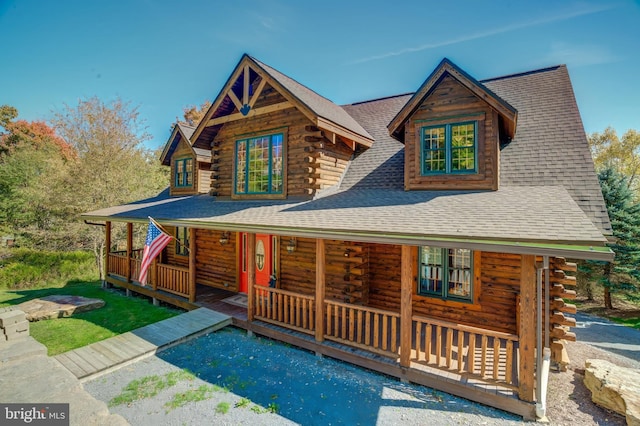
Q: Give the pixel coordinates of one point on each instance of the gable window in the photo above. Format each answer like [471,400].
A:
[449,148]
[182,241]
[259,165]
[184,172]
[446,273]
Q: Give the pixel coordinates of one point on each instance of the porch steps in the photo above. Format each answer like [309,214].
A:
[111,354]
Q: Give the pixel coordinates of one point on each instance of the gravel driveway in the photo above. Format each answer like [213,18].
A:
[257,381]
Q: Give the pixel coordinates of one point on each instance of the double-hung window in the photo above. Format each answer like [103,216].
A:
[184,172]
[182,241]
[260,165]
[446,273]
[449,148]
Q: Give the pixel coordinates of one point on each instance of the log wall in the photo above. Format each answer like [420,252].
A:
[215,263]
[451,102]
[313,161]
[499,286]
[169,255]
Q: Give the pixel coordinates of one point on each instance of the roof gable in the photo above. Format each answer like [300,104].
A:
[507,112]
[181,132]
[238,97]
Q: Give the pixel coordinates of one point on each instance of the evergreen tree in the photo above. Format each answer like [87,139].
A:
[623,274]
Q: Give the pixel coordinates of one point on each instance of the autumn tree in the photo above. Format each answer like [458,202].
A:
[193,114]
[33,165]
[620,154]
[113,165]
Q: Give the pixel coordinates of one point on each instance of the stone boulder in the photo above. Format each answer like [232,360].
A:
[614,388]
[58,306]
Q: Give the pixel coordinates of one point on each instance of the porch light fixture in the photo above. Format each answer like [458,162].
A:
[347,252]
[291,246]
[224,239]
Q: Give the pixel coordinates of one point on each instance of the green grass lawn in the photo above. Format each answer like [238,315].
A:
[630,322]
[119,315]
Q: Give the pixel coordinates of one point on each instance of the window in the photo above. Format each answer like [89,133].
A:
[450,148]
[184,172]
[446,273]
[182,241]
[259,165]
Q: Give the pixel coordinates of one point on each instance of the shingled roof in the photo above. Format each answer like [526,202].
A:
[549,198]
[320,105]
[549,149]
[179,132]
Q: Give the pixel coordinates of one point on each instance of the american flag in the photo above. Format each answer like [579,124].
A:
[156,241]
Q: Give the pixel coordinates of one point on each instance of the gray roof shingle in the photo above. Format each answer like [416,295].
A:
[549,193]
[320,105]
[549,149]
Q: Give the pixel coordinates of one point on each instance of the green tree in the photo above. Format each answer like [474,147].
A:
[113,165]
[621,154]
[33,165]
[623,274]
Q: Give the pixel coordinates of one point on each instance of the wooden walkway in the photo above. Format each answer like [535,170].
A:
[102,357]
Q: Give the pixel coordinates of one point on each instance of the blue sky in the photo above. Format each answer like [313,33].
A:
[165,55]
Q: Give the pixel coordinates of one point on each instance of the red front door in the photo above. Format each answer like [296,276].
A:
[263,260]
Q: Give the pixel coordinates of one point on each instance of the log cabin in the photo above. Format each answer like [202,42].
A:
[423,235]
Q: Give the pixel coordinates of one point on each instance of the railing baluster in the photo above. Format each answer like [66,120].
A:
[394,335]
[483,362]
[418,339]
[461,335]
[360,326]
[385,332]
[376,330]
[438,344]
[449,347]
[496,357]
[471,354]
[508,372]
[351,323]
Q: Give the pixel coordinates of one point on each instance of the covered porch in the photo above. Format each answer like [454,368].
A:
[488,366]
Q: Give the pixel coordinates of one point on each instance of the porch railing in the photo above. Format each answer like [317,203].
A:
[368,328]
[286,308]
[173,279]
[485,354]
[117,263]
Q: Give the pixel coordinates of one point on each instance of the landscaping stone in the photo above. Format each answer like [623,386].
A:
[58,306]
[9,317]
[615,388]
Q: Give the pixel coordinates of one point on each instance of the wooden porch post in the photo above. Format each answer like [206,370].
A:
[406,292]
[107,243]
[527,328]
[251,274]
[153,273]
[192,265]
[129,249]
[320,288]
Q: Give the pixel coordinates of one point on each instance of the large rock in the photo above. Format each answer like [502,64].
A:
[58,306]
[615,388]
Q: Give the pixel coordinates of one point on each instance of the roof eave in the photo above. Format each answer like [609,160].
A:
[586,250]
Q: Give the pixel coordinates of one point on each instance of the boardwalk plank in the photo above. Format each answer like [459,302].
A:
[90,360]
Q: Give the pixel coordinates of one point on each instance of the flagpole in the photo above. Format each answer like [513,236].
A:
[165,231]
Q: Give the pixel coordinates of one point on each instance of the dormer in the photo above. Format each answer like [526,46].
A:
[452,128]
[272,137]
[190,166]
